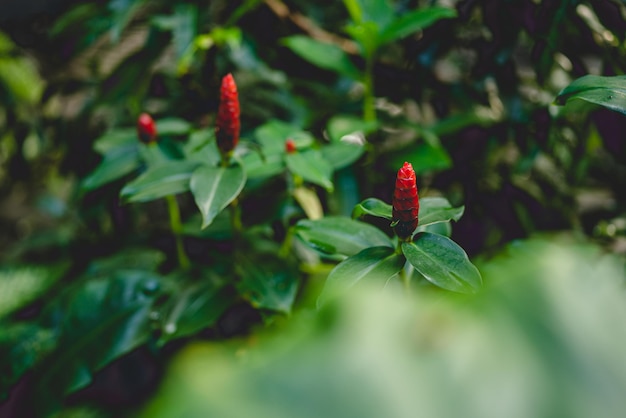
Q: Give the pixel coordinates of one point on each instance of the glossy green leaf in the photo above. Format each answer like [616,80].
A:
[115,165]
[341,125]
[438,209]
[193,307]
[258,167]
[214,188]
[442,262]
[162,180]
[609,92]
[268,282]
[99,320]
[408,23]
[373,207]
[342,154]
[339,235]
[324,55]
[21,285]
[172,126]
[311,166]
[375,264]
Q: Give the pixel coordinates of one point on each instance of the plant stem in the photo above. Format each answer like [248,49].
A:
[235,217]
[369,113]
[177,229]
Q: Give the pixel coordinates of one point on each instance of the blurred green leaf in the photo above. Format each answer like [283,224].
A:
[311,166]
[20,79]
[214,188]
[114,139]
[342,125]
[172,126]
[99,319]
[268,281]
[273,134]
[162,180]
[323,55]
[377,11]
[339,235]
[21,285]
[375,264]
[442,262]
[413,21]
[609,92]
[342,154]
[373,207]
[193,307]
[438,209]
[115,165]
[424,157]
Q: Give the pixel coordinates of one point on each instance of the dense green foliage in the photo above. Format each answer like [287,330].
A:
[272,276]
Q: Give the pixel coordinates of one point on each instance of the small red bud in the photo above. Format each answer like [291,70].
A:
[405,202]
[146,129]
[290,146]
[227,125]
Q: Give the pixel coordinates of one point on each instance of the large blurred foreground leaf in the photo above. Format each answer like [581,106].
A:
[544,338]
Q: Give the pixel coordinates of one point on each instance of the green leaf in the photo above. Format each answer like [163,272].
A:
[99,320]
[438,209]
[172,126]
[342,125]
[214,188]
[115,165]
[366,34]
[193,307]
[414,21]
[258,167]
[342,154]
[311,166]
[609,92]
[21,285]
[163,180]
[322,54]
[339,235]
[273,134]
[268,282]
[424,157]
[377,11]
[373,207]
[376,264]
[116,139]
[442,262]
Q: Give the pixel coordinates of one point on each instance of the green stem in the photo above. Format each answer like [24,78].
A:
[177,229]
[369,113]
[235,217]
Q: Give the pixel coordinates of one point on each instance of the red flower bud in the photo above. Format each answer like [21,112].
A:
[227,126]
[406,204]
[146,129]
[290,146]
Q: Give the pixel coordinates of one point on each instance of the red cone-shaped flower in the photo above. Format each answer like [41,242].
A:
[406,204]
[146,129]
[228,125]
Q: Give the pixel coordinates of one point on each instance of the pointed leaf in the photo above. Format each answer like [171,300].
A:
[214,188]
[342,154]
[322,54]
[372,207]
[311,166]
[114,139]
[414,21]
[376,264]
[309,202]
[442,262]
[195,307]
[268,282]
[609,92]
[115,165]
[438,209]
[339,235]
[160,181]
